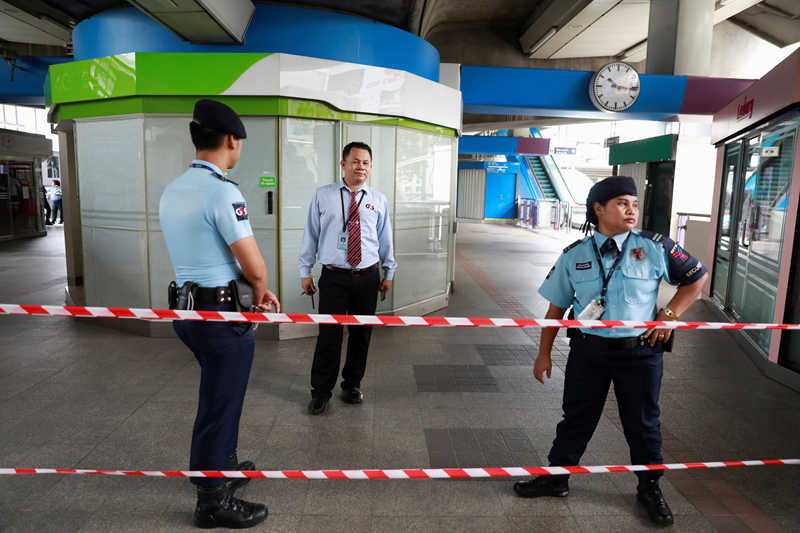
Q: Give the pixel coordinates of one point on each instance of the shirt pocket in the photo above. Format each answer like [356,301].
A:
[640,283]
[586,283]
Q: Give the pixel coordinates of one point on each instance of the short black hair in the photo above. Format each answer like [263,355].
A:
[56,182]
[356,144]
[205,138]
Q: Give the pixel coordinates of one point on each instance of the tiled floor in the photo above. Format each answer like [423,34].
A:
[77,395]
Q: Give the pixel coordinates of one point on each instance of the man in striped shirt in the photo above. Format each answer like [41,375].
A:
[349,230]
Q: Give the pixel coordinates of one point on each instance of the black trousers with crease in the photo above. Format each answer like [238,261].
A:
[343,294]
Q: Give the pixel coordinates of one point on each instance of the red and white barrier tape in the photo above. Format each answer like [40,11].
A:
[368,320]
[424,473]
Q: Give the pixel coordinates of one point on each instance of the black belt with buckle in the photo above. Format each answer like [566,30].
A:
[352,272]
[623,343]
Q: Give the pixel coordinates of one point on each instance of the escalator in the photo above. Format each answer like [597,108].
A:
[542,178]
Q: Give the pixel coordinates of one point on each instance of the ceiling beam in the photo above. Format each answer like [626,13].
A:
[734,8]
[43,22]
[539,40]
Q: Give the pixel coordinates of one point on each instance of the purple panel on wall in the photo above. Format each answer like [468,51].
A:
[532,146]
[706,96]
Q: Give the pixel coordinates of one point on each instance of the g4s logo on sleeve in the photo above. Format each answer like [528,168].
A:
[240,209]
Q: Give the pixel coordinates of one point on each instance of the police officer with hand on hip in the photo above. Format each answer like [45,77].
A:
[614,275]
[348,226]
[219,268]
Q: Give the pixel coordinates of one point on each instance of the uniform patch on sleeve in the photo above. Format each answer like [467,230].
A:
[240,209]
[697,268]
[583,266]
[551,272]
[678,255]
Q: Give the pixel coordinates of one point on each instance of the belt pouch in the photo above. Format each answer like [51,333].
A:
[172,295]
[668,345]
[242,295]
[571,316]
[187,296]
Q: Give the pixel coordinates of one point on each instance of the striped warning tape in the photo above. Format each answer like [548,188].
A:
[423,473]
[368,320]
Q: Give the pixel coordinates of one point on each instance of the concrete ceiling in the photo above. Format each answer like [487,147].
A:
[494,32]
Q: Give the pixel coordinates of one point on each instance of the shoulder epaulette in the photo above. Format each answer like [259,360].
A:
[573,245]
[657,237]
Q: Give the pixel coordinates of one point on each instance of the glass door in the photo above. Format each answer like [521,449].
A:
[722,257]
[763,193]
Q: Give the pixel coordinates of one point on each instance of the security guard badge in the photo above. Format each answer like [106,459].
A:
[638,254]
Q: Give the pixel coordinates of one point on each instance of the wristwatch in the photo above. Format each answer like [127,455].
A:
[670,313]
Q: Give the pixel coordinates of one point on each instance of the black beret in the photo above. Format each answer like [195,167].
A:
[218,117]
[606,189]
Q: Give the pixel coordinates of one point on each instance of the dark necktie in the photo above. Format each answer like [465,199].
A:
[610,247]
[354,233]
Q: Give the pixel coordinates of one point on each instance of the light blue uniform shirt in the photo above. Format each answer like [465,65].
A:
[201,216]
[325,222]
[632,291]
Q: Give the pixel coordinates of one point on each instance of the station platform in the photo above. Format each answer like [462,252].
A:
[74,395]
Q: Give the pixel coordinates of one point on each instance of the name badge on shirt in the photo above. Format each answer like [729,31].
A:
[342,241]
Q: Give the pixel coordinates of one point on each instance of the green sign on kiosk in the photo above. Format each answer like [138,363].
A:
[267,181]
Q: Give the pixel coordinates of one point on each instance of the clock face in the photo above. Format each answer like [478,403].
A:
[615,87]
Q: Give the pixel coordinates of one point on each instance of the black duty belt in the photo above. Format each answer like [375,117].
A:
[352,272]
[622,343]
[219,295]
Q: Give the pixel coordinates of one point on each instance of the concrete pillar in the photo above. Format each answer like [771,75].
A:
[679,37]
[73,242]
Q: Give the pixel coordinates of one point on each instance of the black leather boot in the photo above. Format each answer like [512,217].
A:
[238,482]
[543,486]
[649,494]
[217,508]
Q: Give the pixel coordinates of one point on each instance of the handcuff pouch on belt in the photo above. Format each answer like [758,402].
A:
[183,298]
[241,296]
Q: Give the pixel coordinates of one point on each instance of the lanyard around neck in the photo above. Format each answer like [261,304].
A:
[214,172]
[345,217]
[607,279]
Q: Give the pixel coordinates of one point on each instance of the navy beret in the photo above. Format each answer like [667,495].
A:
[218,117]
[606,189]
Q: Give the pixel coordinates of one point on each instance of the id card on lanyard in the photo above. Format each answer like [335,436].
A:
[596,308]
[343,237]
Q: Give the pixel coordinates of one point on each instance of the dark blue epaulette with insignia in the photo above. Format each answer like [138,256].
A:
[657,237]
[683,268]
[573,245]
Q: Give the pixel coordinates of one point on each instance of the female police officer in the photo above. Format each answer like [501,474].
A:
[613,275]
[207,230]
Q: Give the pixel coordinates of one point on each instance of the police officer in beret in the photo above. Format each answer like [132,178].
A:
[206,227]
[614,275]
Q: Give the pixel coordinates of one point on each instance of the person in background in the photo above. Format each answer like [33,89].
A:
[348,227]
[46,206]
[57,207]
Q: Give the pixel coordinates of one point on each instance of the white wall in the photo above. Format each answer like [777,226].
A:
[693,191]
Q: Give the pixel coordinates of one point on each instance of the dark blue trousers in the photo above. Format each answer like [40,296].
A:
[225,353]
[636,375]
